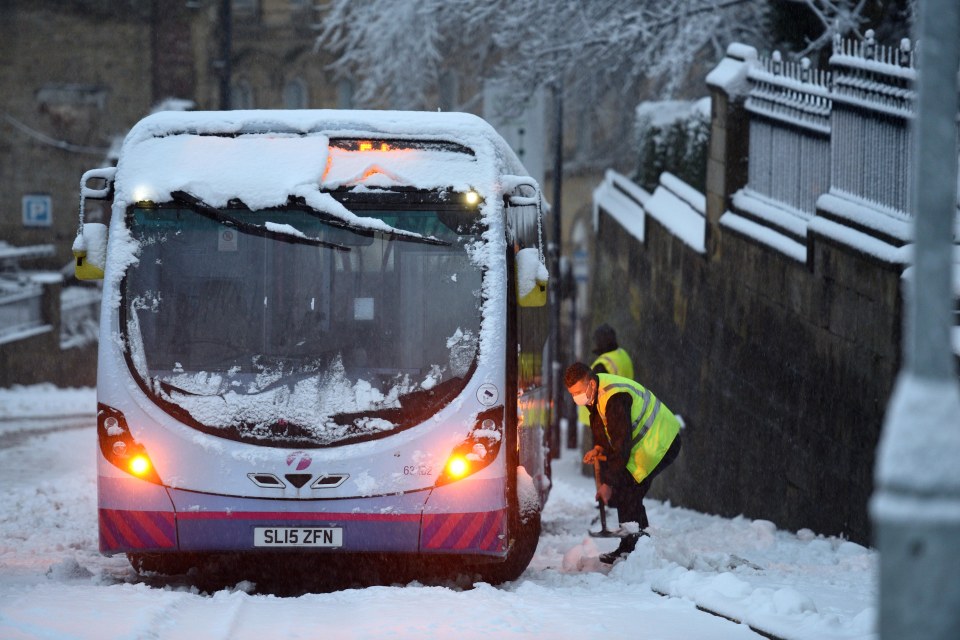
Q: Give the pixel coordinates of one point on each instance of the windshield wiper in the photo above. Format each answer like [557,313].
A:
[218,215]
[169,389]
[400,235]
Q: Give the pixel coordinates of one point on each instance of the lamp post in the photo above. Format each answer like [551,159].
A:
[916,505]
[556,242]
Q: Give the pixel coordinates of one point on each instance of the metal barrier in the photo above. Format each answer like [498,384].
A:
[79,316]
[21,311]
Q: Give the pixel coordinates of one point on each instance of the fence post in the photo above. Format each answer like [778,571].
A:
[729,135]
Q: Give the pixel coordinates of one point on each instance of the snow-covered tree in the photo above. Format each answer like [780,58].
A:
[809,26]
[605,55]
[395,51]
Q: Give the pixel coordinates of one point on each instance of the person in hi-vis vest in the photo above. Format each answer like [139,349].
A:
[637,433]
[611,358]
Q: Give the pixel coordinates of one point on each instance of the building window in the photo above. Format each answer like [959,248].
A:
[295,95]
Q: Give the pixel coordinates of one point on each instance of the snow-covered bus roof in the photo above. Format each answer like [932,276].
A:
[264,157]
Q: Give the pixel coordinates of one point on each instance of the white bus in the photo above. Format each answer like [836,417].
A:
[322,332]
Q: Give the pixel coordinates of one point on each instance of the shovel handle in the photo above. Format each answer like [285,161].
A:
[600,503]
[603,516]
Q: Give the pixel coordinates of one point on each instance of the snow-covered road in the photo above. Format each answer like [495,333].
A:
[55,584]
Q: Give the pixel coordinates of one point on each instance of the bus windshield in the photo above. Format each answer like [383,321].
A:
[287,327]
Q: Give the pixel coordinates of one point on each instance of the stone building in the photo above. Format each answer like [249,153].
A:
[75,75]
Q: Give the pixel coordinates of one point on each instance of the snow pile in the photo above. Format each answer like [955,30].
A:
[35,401]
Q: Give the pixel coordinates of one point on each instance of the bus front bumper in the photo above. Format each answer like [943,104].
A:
[139,517]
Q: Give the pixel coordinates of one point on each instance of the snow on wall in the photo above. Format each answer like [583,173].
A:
[777,213]
[680,209]
[731,74]
[674,204]
[623,200]
[864,213]
[764,235]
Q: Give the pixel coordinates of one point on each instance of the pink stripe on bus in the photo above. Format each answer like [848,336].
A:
[293,516]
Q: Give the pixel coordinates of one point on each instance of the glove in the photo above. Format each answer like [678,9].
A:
[594,454]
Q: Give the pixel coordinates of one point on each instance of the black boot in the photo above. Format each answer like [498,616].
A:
[627,544]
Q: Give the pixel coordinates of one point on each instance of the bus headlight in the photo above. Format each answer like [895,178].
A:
[119,447]
[457,467]
[478,450]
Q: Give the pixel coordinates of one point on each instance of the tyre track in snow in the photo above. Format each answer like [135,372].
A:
[218,616]
[15,431]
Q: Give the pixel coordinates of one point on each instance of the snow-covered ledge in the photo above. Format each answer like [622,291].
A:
[869,216]
[623,200]
[772,224]
[864,226]
[681,210]
[677,206]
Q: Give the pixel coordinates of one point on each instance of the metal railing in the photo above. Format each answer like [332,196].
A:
[844,131]
[21,311]
[789,105]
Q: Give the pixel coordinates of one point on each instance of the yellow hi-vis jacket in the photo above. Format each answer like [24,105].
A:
[653,425]
[617,363]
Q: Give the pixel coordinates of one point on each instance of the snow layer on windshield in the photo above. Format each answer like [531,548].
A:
[264,157]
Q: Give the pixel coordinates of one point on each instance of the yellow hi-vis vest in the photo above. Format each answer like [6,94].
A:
[617,363]
[653,425]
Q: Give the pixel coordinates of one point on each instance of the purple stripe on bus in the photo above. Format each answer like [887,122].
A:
[137,529]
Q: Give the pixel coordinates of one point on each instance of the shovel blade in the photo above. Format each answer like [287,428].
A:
[604,533]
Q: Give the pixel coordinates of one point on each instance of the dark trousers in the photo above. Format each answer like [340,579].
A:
[628,494]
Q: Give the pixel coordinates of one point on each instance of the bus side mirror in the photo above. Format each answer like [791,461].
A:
[90,245]
[90,251]
[532,278]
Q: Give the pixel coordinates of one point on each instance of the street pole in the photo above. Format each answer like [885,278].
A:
[916,505]
[555,245]
[226,46]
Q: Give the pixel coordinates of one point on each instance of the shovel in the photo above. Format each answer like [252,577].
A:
[604,532]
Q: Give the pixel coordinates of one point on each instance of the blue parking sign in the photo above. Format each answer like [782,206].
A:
[37,210]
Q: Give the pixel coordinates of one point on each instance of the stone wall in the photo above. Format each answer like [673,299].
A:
[781,368]
[781,372]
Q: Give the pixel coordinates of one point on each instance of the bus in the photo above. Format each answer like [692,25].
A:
[322,332]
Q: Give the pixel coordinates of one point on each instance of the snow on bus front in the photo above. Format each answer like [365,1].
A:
[289,327]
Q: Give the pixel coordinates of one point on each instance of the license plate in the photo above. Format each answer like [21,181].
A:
[297,537]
